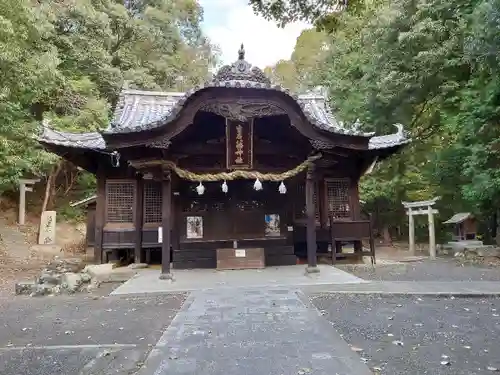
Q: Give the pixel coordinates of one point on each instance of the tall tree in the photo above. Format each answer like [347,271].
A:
[67,61]
[301,71]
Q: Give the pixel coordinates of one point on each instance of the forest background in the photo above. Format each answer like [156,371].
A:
[432,65]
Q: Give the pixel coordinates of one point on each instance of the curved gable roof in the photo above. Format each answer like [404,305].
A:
[139,110]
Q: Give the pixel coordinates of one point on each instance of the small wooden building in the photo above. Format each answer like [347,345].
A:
[237,163]
[465,226]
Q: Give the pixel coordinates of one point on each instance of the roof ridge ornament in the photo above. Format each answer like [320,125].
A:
[241,52]
[241,74]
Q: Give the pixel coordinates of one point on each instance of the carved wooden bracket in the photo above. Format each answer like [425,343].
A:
[243,110]
[162,143]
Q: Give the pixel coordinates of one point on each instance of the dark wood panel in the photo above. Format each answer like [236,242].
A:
[150,236]
[123,238]
[279,250]
[242,244]
[194,254]
[198,263]
[351,229]
[281,260]
[299,234]
[90,235]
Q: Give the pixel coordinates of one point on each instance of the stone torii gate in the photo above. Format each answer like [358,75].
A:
[422,208]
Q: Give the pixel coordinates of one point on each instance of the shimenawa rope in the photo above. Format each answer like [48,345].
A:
[240,174]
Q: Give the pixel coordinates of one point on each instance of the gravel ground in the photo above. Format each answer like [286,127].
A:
[415,336]
[441,269]
[49,335]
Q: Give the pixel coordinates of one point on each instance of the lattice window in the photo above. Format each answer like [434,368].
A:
[338,197]
[301,197]
[152,202]
[120,201]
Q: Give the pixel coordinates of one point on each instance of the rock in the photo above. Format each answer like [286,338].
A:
[25,287]
[85,277]
[489,252]
[95,270]
[92,286]
[56,289]
[49,277]
[137,266]
[115,276]
[71,281]
[74,265]
[41,290]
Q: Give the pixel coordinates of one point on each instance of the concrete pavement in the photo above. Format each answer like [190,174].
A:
[148,281]
[251,331]
[234,322]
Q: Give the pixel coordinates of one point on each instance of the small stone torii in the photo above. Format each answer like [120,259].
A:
[422,208]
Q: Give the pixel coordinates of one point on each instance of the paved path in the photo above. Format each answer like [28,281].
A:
[252,331]
[148,281]
[456,288]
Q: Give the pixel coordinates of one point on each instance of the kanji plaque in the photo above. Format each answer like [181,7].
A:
[239,144]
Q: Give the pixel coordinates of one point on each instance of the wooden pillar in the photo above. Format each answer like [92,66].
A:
[432,235]
[354,198]
[100,215]
[138,217]
[175,209]
[166,223]
[411,231]
[311,222]
[322,203]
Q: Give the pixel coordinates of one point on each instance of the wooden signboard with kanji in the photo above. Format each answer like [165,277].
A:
[239,144]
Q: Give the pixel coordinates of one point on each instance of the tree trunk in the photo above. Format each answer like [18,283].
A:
[49,187]
[497,234]
[386,235]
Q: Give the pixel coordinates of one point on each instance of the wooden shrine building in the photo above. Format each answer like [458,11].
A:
[235,168]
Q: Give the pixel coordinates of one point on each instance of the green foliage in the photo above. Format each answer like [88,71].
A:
[432,65]
[323,14]
[299,73]
[67,62]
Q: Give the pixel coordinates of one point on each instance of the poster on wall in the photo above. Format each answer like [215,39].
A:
[272,225]
[194,227]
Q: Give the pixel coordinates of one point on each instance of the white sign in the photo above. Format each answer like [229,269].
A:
[240,253]
[290,229]
[160,234]
[47,234]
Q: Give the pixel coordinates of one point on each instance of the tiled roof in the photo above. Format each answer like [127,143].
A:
[376,142]
[91,140]
[391,140]
[139,110]
[458,218]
